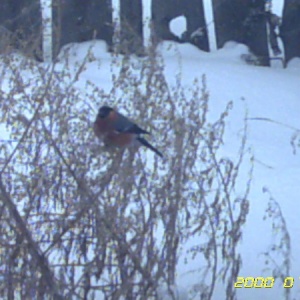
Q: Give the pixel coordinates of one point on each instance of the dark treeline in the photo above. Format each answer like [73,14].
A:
[76,21]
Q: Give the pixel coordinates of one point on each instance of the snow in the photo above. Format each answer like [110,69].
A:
[266,94]
[178,26]
[271,93]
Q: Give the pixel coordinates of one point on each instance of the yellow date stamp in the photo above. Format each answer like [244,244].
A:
[262,282]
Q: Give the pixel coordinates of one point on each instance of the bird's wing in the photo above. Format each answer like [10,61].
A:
[124,125]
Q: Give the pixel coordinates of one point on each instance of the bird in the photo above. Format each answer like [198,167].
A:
[114,129]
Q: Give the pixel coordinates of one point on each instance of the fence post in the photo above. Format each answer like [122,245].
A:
[78,21]
[164,12]
[244,22]
[131,26]
[196,24]
[290,29]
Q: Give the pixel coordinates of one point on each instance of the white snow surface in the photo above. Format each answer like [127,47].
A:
[270,93]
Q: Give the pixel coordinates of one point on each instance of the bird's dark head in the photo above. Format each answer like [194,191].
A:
[104,111]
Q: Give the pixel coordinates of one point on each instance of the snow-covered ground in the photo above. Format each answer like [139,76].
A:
[269,93]
[271,97]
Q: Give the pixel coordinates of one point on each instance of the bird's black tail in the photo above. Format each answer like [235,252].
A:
[148,145]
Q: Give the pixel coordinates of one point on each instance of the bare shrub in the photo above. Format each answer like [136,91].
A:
[78,221]
[278,256]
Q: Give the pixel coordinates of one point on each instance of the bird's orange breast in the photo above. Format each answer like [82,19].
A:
[119,139]
[110,136]
[102,128]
